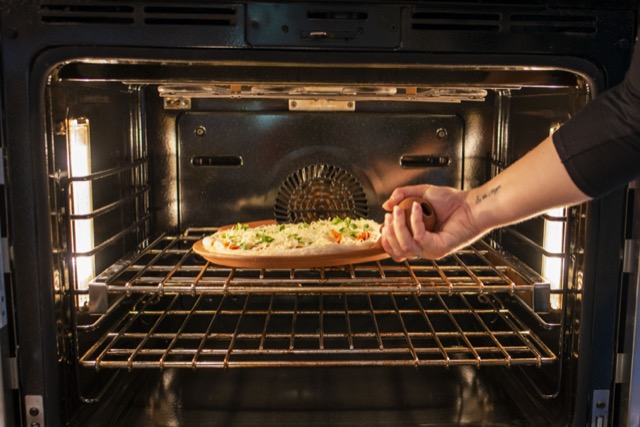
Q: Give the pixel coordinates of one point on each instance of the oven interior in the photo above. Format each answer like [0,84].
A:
[146,157]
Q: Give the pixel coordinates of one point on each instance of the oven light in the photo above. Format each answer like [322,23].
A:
[552,264]
[81,203]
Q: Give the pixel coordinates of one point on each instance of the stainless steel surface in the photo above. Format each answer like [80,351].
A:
[600,408]
[6,365]
[369,396]
[633,409]
[328,93]
[3,387]
[629,367]
[34,411]
[275,145]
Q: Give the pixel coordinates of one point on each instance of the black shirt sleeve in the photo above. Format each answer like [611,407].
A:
[600,145]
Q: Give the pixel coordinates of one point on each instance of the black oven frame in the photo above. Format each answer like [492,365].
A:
[39,35]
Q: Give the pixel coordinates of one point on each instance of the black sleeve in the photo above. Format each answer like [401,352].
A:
[600,145]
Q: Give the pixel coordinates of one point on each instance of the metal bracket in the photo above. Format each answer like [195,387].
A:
[623,368]
[600,408]
[177,103]
[34,411]
[98,298]
[12,381]
[630,256]
[321,105]
[541,297]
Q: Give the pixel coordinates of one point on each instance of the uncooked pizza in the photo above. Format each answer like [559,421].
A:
[321,237]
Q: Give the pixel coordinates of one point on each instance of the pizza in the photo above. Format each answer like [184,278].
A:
[331,236]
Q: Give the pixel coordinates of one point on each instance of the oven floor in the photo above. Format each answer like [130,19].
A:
[311,397]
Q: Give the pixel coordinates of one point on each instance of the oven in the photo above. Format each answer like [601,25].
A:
[131,129]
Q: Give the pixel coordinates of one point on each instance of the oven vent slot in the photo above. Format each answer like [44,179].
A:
[552,23]
[153,15]
[504,22]
[338,15]
[195,15]
[86,14]
[456,21]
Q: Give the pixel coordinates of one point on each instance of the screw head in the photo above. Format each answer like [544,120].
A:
[442,133]
[200,131]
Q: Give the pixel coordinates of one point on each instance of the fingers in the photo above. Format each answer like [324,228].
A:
[402,233]
[397,239]
[389,242]
[396,197]
[455,224]
[402,193]
[418,229]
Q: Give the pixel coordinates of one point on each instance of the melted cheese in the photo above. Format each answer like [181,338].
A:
[318,237]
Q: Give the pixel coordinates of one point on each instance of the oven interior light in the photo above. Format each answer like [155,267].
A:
[552,260]
[81,203]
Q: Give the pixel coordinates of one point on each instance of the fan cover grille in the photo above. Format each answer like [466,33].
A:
[320,191]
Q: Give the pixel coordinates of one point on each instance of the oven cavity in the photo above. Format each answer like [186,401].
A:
[198,148]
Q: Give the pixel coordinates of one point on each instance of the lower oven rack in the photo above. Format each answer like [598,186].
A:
[172,309]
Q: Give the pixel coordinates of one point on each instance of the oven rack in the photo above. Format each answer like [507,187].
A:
[266,330]
[169,265]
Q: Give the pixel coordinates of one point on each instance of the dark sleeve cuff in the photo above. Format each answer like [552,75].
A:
[600,145]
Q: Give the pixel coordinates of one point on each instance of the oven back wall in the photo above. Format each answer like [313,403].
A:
[297,165]
[230,160]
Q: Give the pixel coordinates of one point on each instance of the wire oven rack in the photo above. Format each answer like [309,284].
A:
[175,310]
[169,265]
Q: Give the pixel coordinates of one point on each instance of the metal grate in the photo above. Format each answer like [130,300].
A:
[255,330]
[174,309]
[169,265]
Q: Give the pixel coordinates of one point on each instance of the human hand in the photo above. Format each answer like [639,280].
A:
[455,227]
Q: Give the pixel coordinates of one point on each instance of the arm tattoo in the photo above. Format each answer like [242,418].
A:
[491,192]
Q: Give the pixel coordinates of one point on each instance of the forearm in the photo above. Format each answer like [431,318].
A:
[535,183]
[598,150]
